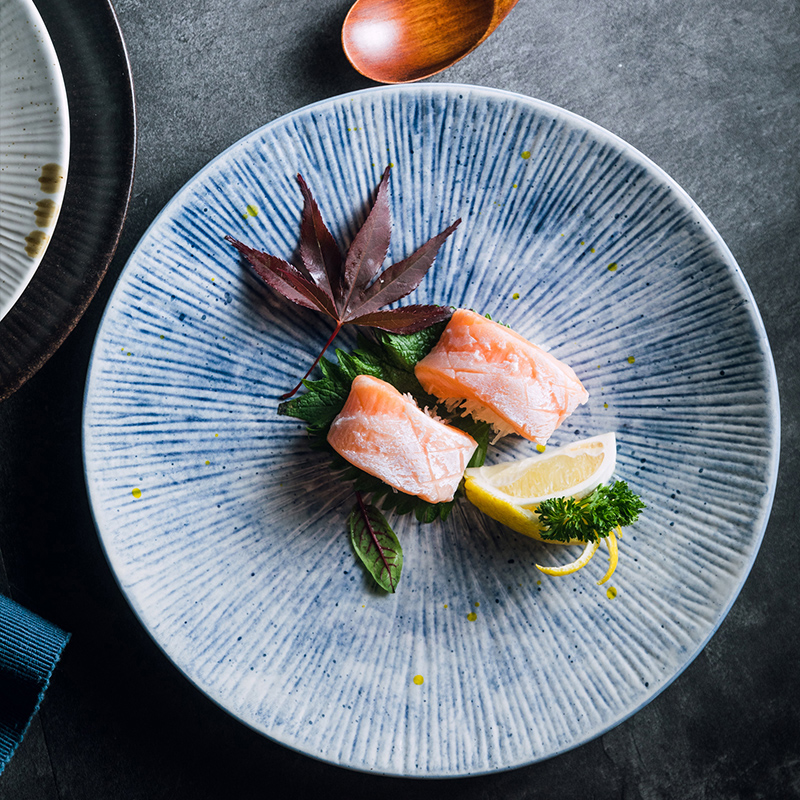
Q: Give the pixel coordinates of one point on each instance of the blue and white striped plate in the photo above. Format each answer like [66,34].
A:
[226,532]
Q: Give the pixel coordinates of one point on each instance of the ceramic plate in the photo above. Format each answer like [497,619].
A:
[97,77]
[226,532]
[34,146]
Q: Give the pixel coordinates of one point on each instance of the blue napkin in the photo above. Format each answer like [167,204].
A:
[29,651]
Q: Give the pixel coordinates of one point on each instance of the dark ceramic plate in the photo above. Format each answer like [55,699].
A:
[97,75]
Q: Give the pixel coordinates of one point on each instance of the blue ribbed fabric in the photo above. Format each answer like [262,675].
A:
[29,651]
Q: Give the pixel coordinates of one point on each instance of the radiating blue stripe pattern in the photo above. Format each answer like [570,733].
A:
[227,532]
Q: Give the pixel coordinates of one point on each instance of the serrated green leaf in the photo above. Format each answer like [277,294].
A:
[354,364]
[404,351]
[329,370]
[378,352]
[318,406]
[376,545]
[429,514]
[381,357]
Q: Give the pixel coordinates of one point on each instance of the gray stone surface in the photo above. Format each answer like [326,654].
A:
[709,91]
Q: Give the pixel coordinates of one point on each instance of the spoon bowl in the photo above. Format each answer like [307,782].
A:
[399,41]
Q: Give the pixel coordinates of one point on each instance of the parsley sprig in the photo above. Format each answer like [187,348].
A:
[592,517]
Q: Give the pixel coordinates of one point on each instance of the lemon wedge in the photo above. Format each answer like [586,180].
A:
[510,492]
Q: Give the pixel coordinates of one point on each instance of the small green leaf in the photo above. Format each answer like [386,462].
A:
[429,513]
[376,544]
[384,352]
[319,405]
[329,370]
[354,364]
[403,351]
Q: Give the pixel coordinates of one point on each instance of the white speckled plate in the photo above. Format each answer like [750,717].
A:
[226,532]
[34,145]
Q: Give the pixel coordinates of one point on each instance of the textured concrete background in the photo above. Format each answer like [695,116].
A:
[709,91]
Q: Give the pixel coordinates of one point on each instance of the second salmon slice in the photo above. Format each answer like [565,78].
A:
[500,377]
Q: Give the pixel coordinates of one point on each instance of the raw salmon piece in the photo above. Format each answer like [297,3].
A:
[386,434]
[500,377]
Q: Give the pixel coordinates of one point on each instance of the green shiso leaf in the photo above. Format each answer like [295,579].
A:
[404,351]
[390,357]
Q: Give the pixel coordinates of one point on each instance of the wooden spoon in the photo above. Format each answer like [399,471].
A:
[396,41]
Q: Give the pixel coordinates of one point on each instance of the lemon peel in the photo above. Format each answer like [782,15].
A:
[613,555]
[579,563]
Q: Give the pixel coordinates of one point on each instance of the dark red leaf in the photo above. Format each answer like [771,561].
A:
[303,285]
[285,279]
[401,278]
[264,266]
[408,319]
[318,250]
[344,292]
[368,250]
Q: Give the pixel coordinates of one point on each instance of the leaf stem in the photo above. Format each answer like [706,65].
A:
[372,533]
[316,361]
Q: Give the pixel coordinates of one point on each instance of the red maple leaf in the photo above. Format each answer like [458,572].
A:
[351,290]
